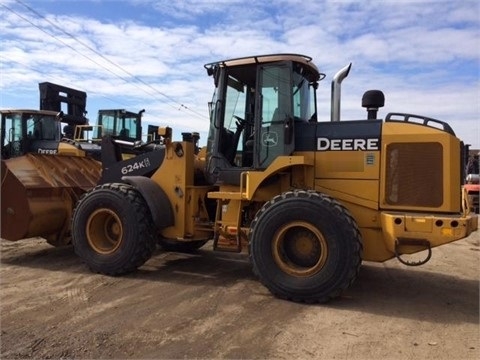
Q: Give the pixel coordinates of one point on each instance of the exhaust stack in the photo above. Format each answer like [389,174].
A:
[336,92]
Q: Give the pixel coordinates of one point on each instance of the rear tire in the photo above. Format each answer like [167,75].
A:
[112,229]
[305,246]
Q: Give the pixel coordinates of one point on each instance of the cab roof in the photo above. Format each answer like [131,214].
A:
[304,60]
[29,111]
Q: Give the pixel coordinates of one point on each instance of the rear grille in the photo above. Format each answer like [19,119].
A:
[414,174]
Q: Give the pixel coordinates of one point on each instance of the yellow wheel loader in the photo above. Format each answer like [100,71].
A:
[308,199]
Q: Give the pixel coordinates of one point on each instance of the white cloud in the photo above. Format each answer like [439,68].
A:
[423,55]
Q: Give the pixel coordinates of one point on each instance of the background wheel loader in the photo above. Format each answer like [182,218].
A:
[48,162]
[43,172]
[472,181]
[309,200]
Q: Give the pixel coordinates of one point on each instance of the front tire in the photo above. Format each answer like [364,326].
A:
[305,246]
[112,229]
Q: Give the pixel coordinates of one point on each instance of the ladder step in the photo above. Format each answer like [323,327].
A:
[229,245]
[226,195]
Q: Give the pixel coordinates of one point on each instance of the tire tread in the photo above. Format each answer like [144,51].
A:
[145,243]
[340,211]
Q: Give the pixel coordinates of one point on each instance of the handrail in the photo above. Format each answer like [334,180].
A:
[404,117]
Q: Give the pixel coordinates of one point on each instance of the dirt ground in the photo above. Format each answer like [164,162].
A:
[209,305]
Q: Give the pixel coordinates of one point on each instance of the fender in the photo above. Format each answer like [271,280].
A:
[156,199]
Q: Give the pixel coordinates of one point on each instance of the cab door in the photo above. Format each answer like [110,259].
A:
[274,122]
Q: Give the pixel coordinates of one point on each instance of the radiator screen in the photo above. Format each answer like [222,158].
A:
[414,174]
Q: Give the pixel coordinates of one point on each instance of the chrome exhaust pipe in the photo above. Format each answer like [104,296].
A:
[336,92]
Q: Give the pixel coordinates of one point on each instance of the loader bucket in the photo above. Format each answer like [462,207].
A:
[39,193]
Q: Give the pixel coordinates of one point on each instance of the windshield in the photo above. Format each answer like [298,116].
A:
[234,115]
[129,129]
[107,121]
[42,127]
[118,123]
[19,129]
[37,126]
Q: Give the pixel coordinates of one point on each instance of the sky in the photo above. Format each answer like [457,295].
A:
[149,54]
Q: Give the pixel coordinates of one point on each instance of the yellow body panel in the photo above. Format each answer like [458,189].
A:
[175,177]
[366,191]
[380,229]
[68,149]
[417,134]
[347,164]
[358,179]
[437,229]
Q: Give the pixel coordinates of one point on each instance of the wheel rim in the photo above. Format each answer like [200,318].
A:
[299,249]
[104,231]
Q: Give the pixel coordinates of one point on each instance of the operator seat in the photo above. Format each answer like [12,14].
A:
[124,133]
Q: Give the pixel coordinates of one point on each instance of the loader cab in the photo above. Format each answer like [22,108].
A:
[29,131]
[255,106]
[121,124]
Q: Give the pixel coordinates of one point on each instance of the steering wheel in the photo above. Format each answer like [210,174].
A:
[242,122]
[239,119]
[15,146]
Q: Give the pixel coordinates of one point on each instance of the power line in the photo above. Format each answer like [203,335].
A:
[156,91]
[61,41]
[58,79]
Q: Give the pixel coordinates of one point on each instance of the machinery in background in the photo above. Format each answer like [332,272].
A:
[472,181]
